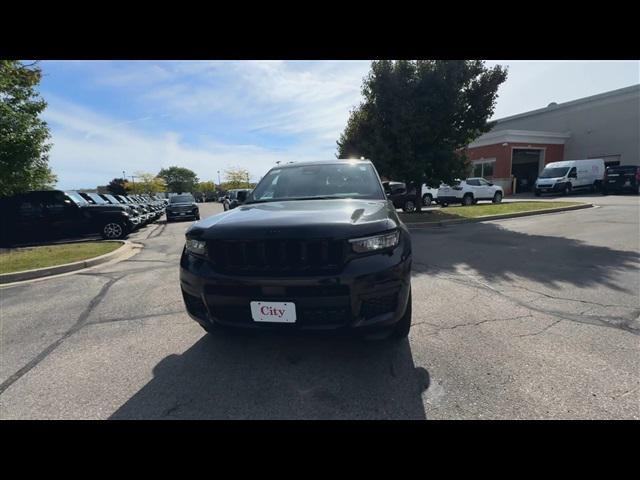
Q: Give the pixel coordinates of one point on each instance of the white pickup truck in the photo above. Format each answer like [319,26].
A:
[469,191]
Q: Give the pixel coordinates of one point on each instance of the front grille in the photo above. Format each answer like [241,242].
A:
[284,292]
[276,257]
[374,306]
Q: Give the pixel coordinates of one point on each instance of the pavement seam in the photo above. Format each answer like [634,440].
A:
[80,322]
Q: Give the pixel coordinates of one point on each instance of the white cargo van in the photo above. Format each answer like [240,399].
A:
[565,177]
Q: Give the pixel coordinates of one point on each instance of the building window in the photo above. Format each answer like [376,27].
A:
[483,168]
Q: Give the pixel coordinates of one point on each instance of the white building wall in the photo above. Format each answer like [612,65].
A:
[605,125]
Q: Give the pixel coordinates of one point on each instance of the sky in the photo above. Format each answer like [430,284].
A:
[107,117]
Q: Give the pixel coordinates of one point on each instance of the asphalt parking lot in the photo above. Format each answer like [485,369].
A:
[527,318]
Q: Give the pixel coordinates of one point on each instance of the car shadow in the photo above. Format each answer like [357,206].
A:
[273,376]
[497,253]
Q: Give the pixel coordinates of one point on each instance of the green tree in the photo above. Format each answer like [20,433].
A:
[117,186]
[417,117]
[24,159]
[205,187]
[236,177]
[179,179]
[145,183]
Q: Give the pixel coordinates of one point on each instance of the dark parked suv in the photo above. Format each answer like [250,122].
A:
[40,215]
[182,206]
[316,246]
[621,178]
[406,199]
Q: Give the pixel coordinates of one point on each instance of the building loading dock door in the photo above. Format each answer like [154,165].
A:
[525,166]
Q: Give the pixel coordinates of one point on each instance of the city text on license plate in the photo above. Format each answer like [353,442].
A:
[278,312]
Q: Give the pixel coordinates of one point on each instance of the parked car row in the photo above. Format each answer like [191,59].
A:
[35,216]
[464,192]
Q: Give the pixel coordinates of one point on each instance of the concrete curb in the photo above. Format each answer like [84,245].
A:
[126,247]
[527,213]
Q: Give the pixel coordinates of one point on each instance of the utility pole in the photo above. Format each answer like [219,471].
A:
[133,182]
[218,177]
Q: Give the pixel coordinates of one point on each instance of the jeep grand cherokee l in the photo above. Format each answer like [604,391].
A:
[316,246]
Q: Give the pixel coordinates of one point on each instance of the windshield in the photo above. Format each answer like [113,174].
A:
[97,198]
[76,198]
[181,199]
[554,172]
[307,182]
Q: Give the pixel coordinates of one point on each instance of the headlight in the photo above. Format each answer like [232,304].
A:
[196,246]
[377,242]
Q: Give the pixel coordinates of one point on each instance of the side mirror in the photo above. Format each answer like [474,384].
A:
[490,184]
[573,175]
[242,196]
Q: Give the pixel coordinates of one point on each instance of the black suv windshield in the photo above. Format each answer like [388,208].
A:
[97,198]
[76,198]
[554,172]
[308,182]
[181,199]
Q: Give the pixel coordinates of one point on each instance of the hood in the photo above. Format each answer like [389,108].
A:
[335,219]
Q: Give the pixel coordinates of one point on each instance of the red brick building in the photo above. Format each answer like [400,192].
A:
[604,126]
[502,155]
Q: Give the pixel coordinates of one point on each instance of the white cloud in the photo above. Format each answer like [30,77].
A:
[91,149]
[303,98]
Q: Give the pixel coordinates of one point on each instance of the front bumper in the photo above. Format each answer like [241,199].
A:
[555,188]
[370,293]
[185,215]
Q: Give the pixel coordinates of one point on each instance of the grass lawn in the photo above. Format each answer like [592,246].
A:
[480,210]
[19,259]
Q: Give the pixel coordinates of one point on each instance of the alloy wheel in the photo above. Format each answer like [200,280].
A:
[112,230]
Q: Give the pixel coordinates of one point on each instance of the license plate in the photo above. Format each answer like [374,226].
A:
[612,181]
[182,213]
[277,312]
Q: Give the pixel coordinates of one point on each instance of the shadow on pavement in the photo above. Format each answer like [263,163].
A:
[497,253]
[270,376]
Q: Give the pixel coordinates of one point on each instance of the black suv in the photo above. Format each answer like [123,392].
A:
[235,197]
[621,178]
[182,206]
[316,246]
[401,197]
[39,215]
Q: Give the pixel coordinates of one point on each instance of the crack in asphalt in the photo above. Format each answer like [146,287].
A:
[543,330]
[137,317]
[474,324]
[80,322]
[609,321]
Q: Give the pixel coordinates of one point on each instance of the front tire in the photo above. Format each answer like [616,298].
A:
[409,206]
[426,200]
[567,189]
[497,198]
[113,231]
[444,204]
[537,192]
[467,200]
